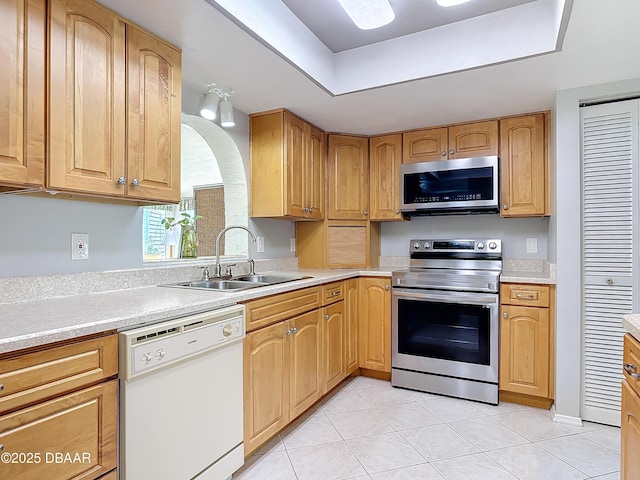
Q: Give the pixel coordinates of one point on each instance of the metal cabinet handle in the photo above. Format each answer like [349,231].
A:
[337,292]
[609,281]
[135,182]
[1,387]
[630,368]
[326,317]
[525,295]
[397,212]
[1,447]
[288,331]
[294,329]
[121,181]
[451,152]
[505,207]
[386,287]
[366,212]
[444,153]
[505,315]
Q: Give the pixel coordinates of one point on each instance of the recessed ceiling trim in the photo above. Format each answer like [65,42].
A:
[518,32]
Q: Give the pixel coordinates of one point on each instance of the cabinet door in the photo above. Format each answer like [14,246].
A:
[22,56]
[315,173]
[333,345]
[428,145]
[385,157]
[295,131]
[153,118]
[473,140]
[86,128]
[348,159]
[524,350]
[630,432]
[523,177]
[350,325]
[266,384]
[374,312]
[305,361]
[82,424]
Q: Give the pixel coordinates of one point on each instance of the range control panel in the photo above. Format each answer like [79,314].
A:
[437,245]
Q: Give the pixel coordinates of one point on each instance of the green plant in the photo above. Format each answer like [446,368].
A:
[186,221]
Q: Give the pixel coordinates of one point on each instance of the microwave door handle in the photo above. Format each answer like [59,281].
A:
[449,297]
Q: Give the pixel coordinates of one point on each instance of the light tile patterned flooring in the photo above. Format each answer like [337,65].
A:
[368,430]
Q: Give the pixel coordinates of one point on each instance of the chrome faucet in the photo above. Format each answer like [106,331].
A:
[217,272]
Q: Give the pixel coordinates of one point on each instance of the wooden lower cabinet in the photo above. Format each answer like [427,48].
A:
[350,325]
[527,344]
[333,345]
[305,361]
[374,323]
[630,432]
[71,437]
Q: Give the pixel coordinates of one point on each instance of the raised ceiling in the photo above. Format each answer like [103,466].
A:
[333,27]
[600,45]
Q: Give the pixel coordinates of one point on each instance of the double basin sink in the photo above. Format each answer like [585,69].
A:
[241,282]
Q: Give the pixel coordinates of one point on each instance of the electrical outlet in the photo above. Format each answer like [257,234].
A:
[292,244]
[79,246]
[532,245]
[260,244]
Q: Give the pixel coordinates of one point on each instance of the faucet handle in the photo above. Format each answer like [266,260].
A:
[228,272]
[205,272]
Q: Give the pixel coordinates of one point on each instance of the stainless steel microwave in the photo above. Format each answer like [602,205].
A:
[464,185]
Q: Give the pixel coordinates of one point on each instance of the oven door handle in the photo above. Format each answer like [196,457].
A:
[449,297]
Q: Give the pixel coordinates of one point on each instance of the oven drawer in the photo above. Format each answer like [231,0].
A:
[524,294]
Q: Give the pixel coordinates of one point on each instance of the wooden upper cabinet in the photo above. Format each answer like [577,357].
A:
[114,106]
[523,166]
[153,118]
[22,99]
[348,177]
[287,167]
[385,157]
[428,145]
[87,96]
[473,139]
[458,141]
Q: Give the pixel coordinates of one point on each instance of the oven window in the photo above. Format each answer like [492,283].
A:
[449,186]
[448,331]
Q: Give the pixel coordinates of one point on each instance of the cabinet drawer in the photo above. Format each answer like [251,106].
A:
[631,359]
[82,427]
[266,311]
[332,292]
[527,295]
[36,376]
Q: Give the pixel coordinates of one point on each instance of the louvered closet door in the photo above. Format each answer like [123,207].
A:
[610,253]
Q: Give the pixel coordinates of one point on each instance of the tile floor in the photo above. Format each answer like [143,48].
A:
[368,430]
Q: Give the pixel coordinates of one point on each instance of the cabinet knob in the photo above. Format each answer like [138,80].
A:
[631,369]
[451,152]
[366,212]
[386,287]
[505,207]
[505,315]
[444,153]
[121,181]
[288,331]
[294,329]
[1,387]
[1,447]
[397,212]
[326,317]
[135,182]
[609,281]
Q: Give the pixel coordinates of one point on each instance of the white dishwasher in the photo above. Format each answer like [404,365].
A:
[181,398]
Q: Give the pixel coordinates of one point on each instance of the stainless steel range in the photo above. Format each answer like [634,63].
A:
[445,319]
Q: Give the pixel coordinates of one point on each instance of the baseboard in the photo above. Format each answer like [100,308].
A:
[565,419]
[522,399]
[365,372]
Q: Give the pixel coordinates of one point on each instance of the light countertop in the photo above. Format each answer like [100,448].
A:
[39,322]
[631,324]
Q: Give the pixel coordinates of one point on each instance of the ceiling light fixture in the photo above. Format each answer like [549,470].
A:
[210,104]
[451,3]
[368,14]
[212,101]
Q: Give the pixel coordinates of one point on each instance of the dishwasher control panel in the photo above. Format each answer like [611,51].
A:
[145,349]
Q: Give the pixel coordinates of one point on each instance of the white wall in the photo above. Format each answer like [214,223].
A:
[565,235]
[512,231]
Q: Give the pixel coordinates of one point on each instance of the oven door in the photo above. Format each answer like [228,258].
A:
[454,334]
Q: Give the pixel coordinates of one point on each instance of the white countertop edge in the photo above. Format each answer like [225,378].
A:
[631,324]
[72,317]
[527,277]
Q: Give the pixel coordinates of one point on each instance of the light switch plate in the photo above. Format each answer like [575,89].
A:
[292,244]
[260,244]
[79,246]
[532,245]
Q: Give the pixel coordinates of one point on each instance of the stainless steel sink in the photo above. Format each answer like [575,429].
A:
[269,278]
[218,285]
